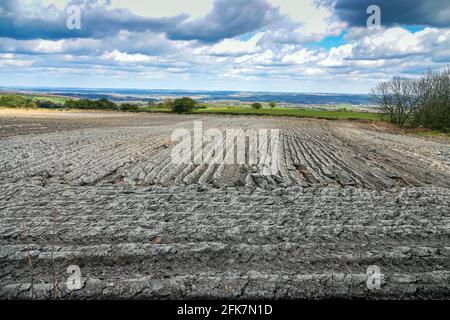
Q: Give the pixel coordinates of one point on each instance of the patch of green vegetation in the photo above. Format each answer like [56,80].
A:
[343,107]
[431,134]
[155,110]
[186,105]
[52,99]
[183,105]
[104,104]
[16,101]
[257,105]
[295,112]
[30,101]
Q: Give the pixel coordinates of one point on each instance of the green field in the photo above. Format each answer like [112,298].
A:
[54,99]
[294,112]
[23,100]
[338,114]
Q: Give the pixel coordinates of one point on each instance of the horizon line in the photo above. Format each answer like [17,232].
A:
[180,90]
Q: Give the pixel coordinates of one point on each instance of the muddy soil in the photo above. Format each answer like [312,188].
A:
[99,191]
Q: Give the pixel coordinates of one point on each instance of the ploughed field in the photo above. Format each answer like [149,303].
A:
[100,191]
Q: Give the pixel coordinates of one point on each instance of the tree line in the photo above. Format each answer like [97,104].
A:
[16,101]
[423,102]
[180,105]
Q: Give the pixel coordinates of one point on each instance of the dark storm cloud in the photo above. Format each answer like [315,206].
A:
[226,20]
[97,21]
[434,13]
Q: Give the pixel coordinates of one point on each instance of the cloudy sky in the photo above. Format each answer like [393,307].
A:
[256,45]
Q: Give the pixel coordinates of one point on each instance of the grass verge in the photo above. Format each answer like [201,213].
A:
[429,133]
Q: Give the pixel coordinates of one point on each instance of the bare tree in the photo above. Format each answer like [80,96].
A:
[422,102]
[398,97]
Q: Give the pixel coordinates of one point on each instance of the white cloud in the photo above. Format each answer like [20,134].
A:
[262,58]
[59,4]
[7,56]
[313,72]
[316,22]
[337,56]
[9,60]
[299,57]
[393,41]
[123,57]
[306,12]
[236,47]
[47,46]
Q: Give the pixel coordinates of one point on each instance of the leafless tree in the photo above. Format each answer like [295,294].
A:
[422,102]
[398,97]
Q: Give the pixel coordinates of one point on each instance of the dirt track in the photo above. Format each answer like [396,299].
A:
[98,190]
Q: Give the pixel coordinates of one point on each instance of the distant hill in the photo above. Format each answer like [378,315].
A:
[135,95]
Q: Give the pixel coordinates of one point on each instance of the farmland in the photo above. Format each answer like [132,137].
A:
[54,99]
[99,190]
[329,112]
[294,112]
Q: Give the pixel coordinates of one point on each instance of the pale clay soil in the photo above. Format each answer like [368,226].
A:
[99,190]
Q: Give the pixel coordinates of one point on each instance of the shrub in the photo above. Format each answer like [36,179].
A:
[104,104]
[45,104]
[272,104]
[16,101]
[433,110]
[29,103]
[167,104]
[129,107]
[257,105]
[183,105]
[90,104]
[69,104]
[78,104]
